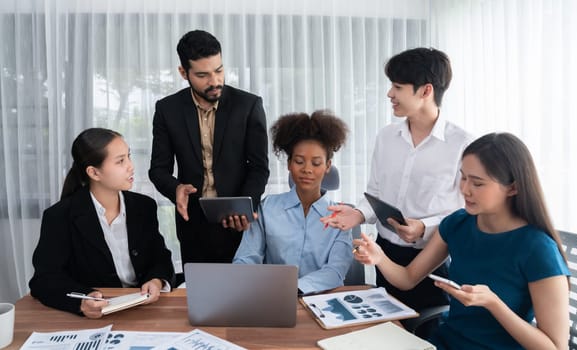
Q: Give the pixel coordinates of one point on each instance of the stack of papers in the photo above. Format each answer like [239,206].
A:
[106,339]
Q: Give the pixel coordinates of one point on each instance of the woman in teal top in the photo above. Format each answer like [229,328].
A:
[288,230]
[505,254]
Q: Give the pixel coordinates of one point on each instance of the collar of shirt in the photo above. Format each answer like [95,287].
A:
[197,104]
[437,132]
[101,211]
[320,205]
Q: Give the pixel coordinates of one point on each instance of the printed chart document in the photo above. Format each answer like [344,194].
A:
[132,340]
[124,302]
[106,339]
[350,308]
[88,339]
[384,336]
[197,340]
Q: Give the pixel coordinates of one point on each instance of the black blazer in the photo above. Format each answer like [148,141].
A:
[240,149]
[72,255]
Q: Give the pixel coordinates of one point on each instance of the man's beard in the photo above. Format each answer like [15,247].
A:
[204,94]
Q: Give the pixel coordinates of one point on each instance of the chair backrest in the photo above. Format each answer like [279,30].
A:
[330,182]
[569,241]
[356,274]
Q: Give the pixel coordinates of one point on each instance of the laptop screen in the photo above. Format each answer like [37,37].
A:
[241,295]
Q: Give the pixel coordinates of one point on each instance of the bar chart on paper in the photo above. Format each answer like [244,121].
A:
[343,309]
[88,339]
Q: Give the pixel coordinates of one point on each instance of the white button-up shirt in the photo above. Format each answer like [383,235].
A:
[422,181]
[116,236]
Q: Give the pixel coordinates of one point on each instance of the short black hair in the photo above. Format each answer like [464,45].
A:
[196,44]
[421,66]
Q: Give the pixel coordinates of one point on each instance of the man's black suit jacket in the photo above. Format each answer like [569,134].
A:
[72,254]
[240,161]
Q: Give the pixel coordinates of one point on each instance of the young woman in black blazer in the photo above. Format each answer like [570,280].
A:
[99,234]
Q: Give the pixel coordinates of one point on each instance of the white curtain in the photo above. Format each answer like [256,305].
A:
[68,65]
[515,70]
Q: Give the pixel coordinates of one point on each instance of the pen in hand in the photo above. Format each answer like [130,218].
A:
[84,296]
[332,216]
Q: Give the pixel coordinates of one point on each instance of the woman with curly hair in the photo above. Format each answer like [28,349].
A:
[288,229]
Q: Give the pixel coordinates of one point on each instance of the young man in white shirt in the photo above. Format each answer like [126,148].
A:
[415,167]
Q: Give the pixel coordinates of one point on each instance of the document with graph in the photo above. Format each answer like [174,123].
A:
[87,339]
[198,339]
[106,339]
[334,310]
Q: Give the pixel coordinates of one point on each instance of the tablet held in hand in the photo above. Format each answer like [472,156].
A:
[217,209]
[384,210]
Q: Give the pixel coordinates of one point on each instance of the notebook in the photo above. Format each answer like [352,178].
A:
[124,302]
[384,336]
[240,295]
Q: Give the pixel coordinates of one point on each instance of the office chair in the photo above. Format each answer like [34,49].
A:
[428,320]
[569,241]
[331,181]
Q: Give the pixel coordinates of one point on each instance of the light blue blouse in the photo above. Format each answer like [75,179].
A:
[283,235]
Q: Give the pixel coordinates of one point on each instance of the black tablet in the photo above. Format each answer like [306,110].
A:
[218,208]
[384,210]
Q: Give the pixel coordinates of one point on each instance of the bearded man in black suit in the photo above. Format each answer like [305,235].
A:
[218,137]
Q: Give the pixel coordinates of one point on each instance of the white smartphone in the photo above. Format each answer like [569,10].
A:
[445,280]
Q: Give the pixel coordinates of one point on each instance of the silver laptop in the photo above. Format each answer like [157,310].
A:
[241,295]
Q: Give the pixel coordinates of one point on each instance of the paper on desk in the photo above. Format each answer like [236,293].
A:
[349,308]
[131,340]
[197,339]
[106,339]
[87,339]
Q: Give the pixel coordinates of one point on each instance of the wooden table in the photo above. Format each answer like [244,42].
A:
[169,314]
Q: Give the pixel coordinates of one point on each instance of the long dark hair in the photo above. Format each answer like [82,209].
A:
[88,149]
[508,161]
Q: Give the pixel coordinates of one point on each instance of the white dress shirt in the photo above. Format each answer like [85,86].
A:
[422,181]
[116,236]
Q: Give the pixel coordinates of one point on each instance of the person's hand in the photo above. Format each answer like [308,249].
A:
[153,288]
[182,193]
[344,217]
[239,223]
[468,295]
[366,251]
[411,232]
[93,308]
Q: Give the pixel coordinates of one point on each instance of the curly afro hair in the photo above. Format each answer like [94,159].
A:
[321,126]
